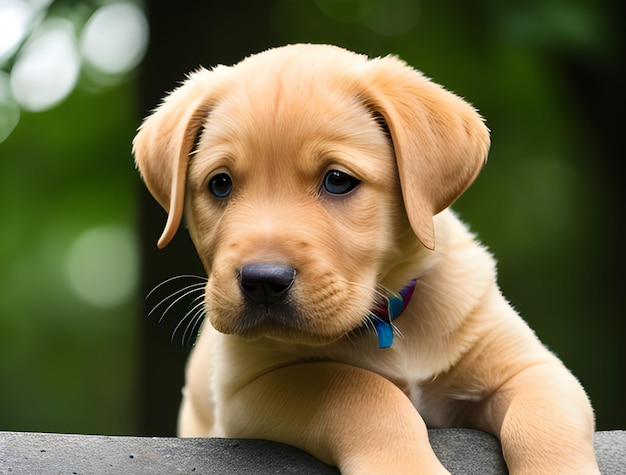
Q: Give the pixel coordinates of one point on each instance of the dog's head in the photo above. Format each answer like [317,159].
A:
[306,174]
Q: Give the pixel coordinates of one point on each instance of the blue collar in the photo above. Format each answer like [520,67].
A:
[387,308]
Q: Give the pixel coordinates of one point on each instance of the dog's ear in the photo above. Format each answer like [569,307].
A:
[166,139]
[440,141]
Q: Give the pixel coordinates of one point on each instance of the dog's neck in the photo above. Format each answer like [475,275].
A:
[387,308]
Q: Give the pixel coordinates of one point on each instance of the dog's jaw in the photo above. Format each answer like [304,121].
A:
[302,316]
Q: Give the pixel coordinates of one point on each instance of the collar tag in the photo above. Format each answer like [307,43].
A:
[387,309]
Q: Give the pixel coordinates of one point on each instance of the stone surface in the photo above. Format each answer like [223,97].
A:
[463,452]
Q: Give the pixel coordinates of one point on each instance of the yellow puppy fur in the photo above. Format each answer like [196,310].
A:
[246,152]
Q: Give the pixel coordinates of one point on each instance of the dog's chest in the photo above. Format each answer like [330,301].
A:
[403,366]
[412,371]
[416,389]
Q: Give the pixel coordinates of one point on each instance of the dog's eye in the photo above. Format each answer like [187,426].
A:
[339,183]
[221,185]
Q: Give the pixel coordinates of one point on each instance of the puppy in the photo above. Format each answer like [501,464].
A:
[348,308]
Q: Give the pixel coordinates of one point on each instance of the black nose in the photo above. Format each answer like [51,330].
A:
[264,282]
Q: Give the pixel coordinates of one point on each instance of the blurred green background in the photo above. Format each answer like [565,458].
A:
[78,352]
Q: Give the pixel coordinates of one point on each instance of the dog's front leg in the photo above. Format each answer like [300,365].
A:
[544,421]
[344,416]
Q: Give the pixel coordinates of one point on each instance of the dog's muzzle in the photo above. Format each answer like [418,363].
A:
[265,283]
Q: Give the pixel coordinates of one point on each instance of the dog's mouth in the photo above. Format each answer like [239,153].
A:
[272,300]
[277,301]
[283,322]
[266,305]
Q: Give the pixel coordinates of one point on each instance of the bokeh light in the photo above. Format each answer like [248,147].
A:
[16,19]
[115,38]
[102,265]
[47,68]
[47,49]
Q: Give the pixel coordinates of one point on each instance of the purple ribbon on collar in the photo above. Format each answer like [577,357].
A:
[387,308]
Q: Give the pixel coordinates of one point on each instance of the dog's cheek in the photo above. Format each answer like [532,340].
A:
[363,229]
[202,221]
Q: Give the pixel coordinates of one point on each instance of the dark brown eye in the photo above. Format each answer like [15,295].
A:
[221,185]
[337,182]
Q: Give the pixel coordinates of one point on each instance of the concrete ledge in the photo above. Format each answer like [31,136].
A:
[462,451]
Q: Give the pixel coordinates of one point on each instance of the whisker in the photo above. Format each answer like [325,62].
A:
[385,292]
[187,315]
[184,292]
[380,293]
[177,277]
[194,324]
[397,331]
[191,316]
[195,311]
[368,322]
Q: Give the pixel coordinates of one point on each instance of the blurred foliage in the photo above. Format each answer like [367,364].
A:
[68,252]
[66,364]
[544,204]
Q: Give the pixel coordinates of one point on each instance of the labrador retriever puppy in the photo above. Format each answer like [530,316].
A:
[348,308]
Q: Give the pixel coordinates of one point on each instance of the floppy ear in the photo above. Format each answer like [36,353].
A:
[440,141]
[164,143]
